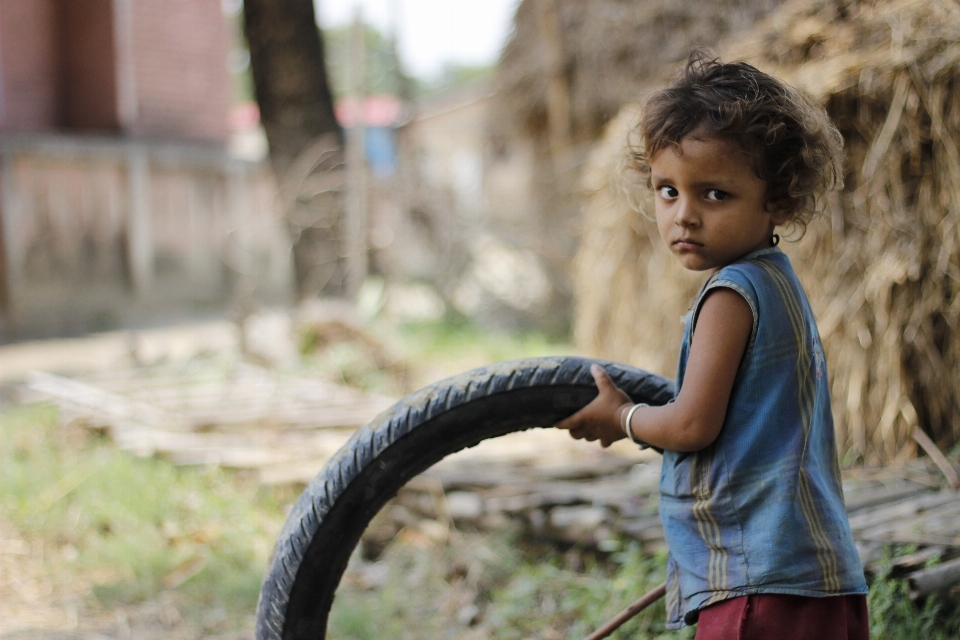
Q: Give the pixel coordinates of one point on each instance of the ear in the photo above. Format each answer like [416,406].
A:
[778,216]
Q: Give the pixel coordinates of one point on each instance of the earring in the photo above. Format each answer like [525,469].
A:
[775,239]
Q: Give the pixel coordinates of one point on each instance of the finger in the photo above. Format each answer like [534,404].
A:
[584,432]
[570,422]
[600,377]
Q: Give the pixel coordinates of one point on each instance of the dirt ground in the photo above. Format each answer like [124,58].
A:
[113,350]
[38,602]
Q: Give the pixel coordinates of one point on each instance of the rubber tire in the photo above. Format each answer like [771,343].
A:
[328,519]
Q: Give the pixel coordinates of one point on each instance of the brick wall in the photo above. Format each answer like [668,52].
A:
[179,57]
[153,68]
[28,65]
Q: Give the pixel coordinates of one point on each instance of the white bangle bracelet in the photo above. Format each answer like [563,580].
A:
[627,428]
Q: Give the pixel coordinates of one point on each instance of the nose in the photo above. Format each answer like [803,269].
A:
[685,214]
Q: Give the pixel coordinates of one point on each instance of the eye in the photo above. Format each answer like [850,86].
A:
[667,192]
[717,195]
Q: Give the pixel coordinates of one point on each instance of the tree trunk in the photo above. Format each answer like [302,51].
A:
[306,146]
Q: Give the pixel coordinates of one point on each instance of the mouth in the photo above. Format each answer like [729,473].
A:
[686,244]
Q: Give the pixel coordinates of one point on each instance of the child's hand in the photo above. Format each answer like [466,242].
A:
[599,420]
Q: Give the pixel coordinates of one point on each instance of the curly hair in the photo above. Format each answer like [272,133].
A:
[790,141]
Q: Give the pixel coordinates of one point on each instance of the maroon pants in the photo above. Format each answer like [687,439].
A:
[783,617]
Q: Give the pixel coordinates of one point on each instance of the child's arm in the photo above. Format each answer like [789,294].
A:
[694,420]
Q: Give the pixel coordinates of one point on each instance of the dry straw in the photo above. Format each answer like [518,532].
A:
[881,266]
[608,50]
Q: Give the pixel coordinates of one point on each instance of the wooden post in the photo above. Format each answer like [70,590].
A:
[558,89]
[237,205]
[238,240]
[127,103]
[355,224]
[12,242]
[140,256]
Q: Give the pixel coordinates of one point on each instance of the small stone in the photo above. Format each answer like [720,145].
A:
[464,505]
[468,614]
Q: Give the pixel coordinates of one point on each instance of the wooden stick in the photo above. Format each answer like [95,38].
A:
[615,623]
[896,538]
[937,456]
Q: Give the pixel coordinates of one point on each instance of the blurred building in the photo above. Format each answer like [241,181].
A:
[118,201]
[381,114]
[464,205]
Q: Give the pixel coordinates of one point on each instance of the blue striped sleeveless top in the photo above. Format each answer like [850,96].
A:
[761,509]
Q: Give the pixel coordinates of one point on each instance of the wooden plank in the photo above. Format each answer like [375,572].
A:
[277,389]
[464,479]
[642,529]
[945,526]
[257,396]
[882,495]
[878,563]
[584,469]
[523,503]
[293,473]
[913,471]
[329,406]
[111,410]
[238,451]
[937,578]
[867,518]
[908,538]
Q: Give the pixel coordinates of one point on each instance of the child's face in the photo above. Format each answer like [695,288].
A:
[710,204]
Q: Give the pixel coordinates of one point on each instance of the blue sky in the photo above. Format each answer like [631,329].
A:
[432,32]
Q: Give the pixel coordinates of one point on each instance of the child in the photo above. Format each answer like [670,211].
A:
[750,493]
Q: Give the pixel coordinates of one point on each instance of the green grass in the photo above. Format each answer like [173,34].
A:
[522,592]
[421,353]
[494,586]
[460,338]
[893,616]
[138,526]
[437,350]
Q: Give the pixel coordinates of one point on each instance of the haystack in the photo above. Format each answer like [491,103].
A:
[568,68]
[605,51]
[881,266]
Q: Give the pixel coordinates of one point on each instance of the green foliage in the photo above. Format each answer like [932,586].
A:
[494,586]
[456,340]
[571,596]
[893,616]
[414,354]
[382,69]
[238,60]
[456,76]
[384,72]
